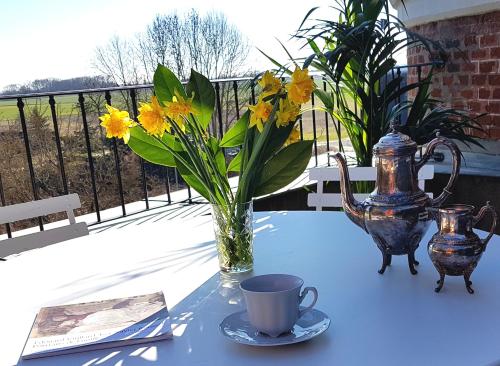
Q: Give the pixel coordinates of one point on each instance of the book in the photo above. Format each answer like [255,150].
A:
[96,325]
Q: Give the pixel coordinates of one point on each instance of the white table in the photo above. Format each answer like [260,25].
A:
[394,319]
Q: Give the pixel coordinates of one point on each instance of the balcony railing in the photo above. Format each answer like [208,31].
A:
[92,156]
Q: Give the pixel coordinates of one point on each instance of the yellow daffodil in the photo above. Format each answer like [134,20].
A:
[293,137]
[117,123]
[152,118]
[260,114]
[180,108]
[287,112]
[270,85]
[301,86]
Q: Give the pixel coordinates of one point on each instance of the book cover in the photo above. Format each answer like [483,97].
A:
[96,325]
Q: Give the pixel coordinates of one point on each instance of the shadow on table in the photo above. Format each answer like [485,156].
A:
[176,260]
[193,319]
[177,211]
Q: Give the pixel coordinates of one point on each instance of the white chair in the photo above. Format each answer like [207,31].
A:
[28,210]
[356,174]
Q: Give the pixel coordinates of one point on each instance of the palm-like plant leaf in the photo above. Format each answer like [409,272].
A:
[426,116]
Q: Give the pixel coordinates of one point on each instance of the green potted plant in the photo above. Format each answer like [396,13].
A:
[355,53]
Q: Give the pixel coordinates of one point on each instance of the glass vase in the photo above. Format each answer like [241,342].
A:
[233,228]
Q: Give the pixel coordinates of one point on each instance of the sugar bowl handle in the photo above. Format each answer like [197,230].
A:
[480,215]
[455,153]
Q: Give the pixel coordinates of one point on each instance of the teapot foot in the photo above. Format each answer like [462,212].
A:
[412,262]
[468,283]
[386,261]
[440,282]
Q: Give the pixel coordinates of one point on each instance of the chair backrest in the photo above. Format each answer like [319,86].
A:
[28,210]
[356,174]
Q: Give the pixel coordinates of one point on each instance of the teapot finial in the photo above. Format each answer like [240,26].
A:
[395,125]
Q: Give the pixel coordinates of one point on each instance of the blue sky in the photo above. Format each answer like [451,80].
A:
[56,38]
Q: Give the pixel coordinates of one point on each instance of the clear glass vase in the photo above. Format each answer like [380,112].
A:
[233,228]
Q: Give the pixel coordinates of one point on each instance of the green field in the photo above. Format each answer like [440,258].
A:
[65,105]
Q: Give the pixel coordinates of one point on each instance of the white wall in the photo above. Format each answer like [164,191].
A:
[425,11]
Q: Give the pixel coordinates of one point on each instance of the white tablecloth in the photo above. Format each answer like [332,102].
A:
[390,319]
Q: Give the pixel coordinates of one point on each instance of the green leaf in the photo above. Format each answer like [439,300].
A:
[290,57]
[307,15]
[220,160]
[190,178]
[277,139]
[204,97]
[150,149]
[284,167]
[234,165]
[236,134]
[383,69]
[282,67]
[326,98]
[166,84]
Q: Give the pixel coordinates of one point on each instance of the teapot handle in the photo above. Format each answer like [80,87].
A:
[480,215]
[455,153]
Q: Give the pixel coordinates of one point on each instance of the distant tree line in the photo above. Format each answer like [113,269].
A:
[52,84]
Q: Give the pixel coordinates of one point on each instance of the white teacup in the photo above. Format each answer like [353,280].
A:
[273,302]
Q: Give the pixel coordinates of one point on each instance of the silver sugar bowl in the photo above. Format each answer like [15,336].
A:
[455,249]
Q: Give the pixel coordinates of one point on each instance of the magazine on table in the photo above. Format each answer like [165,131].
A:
[96,325]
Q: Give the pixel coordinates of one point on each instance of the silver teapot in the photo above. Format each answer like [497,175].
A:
[395,213]
[455,249]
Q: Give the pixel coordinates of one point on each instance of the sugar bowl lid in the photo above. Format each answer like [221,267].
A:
[395,143]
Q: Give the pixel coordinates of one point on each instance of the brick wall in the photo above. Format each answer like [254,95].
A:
[471,78]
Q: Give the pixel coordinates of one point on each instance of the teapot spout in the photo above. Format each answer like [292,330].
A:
[354,210]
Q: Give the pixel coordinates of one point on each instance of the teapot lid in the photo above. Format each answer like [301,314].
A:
[395,143]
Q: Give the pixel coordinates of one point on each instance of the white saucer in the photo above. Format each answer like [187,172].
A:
[238,328]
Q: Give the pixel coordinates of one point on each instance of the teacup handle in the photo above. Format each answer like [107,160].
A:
[303,296]
[480,215]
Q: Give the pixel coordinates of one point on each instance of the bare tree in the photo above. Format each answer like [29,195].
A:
[207,43]
[216,48]
[148,59]
[118,62]
[165,36]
